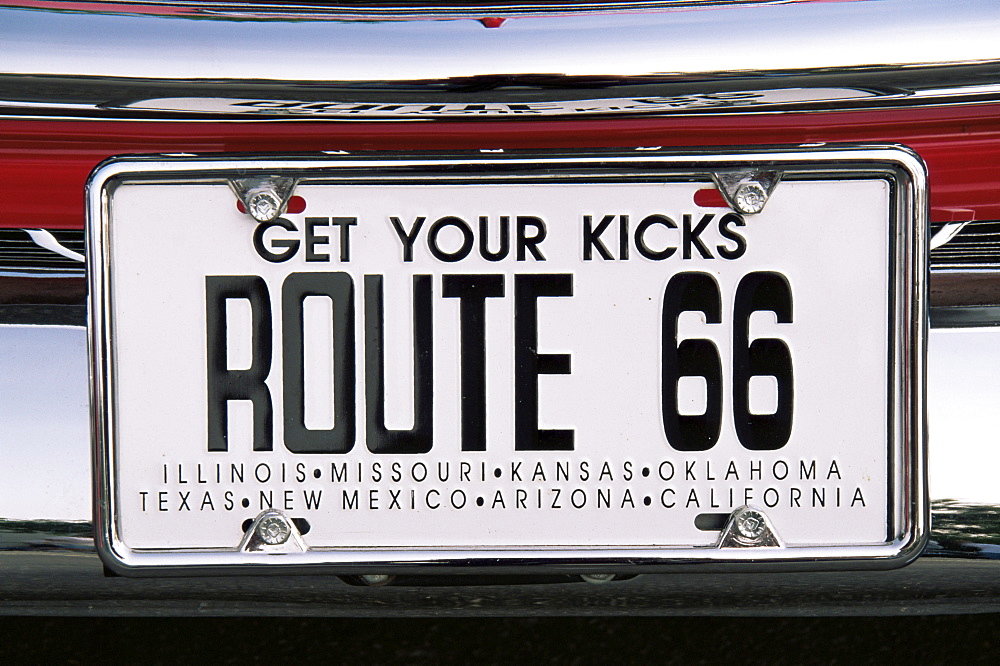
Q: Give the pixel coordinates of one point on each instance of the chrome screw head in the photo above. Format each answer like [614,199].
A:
[273,530]
[264,206]
[750,525]
[750,198]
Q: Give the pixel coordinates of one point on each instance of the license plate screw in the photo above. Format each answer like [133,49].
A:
[264,206]
[746,190]
[750,198]
[598,578]
[264,197]
[750,525]
[273,530]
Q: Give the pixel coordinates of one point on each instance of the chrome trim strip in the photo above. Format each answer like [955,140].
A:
[946,233]
[46,240]
[44,315]
[953,288]
[333,64]
[74,583]
[385,11]
[40,253]
[966,245]
[908,519]
[965,316]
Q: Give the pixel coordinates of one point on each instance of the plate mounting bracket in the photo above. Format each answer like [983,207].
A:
[746,190]
[749,527]
[264,197]
[272,532]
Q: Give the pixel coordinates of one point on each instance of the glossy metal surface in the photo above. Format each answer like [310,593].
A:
[46,370]
[907,518]
[59,582]
[48,162]
[370,11]
[42,568]
[40,253]
[108,60]
[39,357]
[51,567]
[44,434]
[969,246]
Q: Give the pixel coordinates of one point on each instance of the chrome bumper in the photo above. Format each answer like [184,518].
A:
[48,563]
[62,65]
[279,61]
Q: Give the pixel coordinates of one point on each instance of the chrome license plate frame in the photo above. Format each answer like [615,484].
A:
[905,508]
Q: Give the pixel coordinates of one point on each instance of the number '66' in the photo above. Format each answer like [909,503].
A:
[693,291]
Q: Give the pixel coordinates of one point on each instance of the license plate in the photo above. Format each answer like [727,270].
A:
[583,363]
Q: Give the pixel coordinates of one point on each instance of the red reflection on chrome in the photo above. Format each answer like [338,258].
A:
[46,163]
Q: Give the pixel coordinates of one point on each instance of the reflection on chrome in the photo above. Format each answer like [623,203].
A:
[46,535]
[331,63]
[276,61]
[46,240]
[965,530]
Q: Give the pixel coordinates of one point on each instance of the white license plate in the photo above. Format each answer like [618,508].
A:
[509,362]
